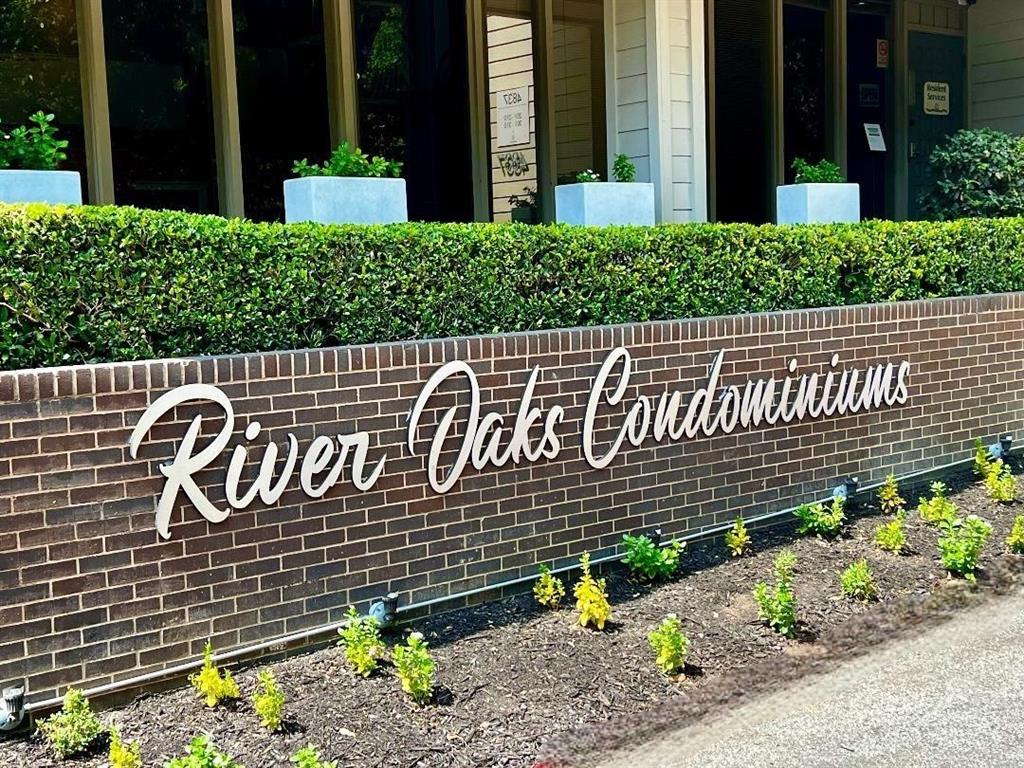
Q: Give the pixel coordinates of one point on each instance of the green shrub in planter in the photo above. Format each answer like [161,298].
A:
[978,172]
[822,172]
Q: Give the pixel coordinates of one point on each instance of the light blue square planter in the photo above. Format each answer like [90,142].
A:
[817,203]
[53,187]
[600,204]
[345,200]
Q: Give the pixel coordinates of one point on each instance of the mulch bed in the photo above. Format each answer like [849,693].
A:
[517,685]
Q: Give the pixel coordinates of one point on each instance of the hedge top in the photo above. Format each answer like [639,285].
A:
[88,284]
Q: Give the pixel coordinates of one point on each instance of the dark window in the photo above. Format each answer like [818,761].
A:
[412,65]
[39,70]
[282,96]
[805,85]
[161,124]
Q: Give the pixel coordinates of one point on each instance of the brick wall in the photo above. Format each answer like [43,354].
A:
[91,593]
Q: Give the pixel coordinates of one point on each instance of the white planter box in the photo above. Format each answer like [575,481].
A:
[817,203]
[53,187]
[603,203]
[345,200]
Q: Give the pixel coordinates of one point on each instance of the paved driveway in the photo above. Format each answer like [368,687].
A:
[953,696]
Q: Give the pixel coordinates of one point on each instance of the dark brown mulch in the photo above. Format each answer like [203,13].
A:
[516,684]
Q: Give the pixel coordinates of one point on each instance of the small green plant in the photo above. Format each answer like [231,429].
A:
[360,637]
[123,754]
[977,172]
[587,176]
[309,757]
[857,581]
[623,169]
[889,498]
[591,597]
[1000,482]
[737,539]
[890,536]
[268,700]
[203,754]
[548,590]
[348,161]
[824,172]
[820,519]
[961,543]
[74,729]
[777,604]
[415,668]
[649,561]
[670,645]
[980,458]
[34,147]
[937,509]
[1015,541]
[212,685]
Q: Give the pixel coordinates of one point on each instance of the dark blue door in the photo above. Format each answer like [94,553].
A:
[936,105]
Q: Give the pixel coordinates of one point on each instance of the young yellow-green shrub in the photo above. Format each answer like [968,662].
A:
[889,498]
[1000,482]
[74,729]
[737,539]
[890,536]
[961,543]
[649,561]
[820,519]
[937,509]
[548,590]
[777,604]
[415,668]
[268,700]
[670,645]
[360,637]
[1015,541]
[212,685]
[591,597]
[857,581]
[123,754]
[309,757]
[203,754]
[981,458]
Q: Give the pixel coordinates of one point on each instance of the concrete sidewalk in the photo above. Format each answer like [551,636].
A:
[953,696]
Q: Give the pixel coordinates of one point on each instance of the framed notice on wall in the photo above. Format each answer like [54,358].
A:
[513,117]
[936,98]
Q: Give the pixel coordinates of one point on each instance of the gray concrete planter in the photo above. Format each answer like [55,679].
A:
[345,200]
[817,203]
[53,187]
[603,203]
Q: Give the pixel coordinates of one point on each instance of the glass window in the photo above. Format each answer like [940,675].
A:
[282,96]
[39,70]
[806,105]
[161,123]
[578,62]
[511,94]
[413,74]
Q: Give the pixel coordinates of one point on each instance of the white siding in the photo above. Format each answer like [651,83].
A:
[995,39]
[681,174]
[632,135]
[936,16]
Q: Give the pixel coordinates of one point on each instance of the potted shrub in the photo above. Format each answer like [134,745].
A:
[29,156]
[590,203]
[524,206]
[820,195]
[350,188]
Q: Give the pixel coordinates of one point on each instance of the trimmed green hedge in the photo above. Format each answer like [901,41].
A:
[99,284]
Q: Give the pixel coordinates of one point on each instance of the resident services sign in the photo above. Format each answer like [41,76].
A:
[489,439]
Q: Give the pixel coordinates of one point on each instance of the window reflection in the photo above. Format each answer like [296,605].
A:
[39,70]
[282,95]
[158,78]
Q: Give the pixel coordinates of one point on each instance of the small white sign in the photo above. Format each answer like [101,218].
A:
[936,98]
[876,141]
[882,53]
[514,117]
